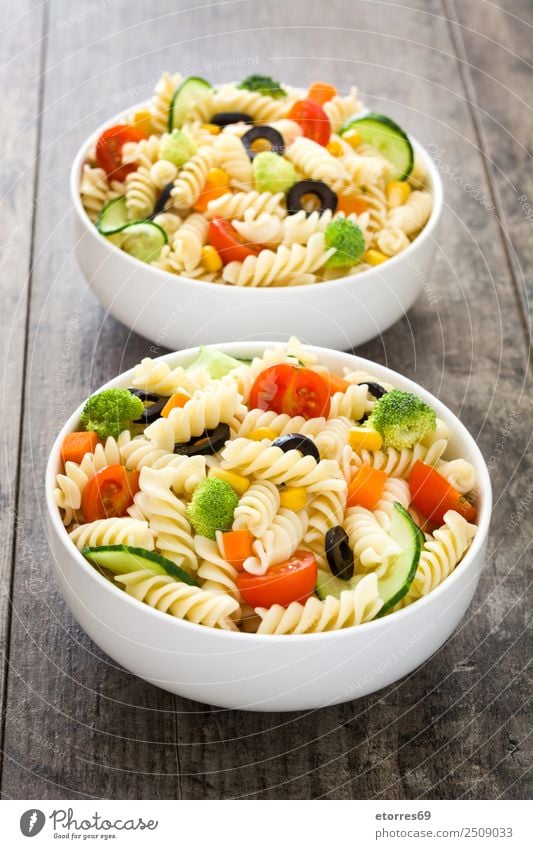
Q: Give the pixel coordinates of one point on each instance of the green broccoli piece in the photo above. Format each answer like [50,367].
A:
[177,147]
[212,506]
[348,241]
[402,419]
[264,85]
[110,412]
[273,173]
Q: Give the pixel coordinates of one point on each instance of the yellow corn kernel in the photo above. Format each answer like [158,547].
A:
[293,497]
[374,257]
[217,177]
[364,439]
[211,258]
[214,129]
[335,148]
[142,119]
[397,192]
[352,137]
[262,433]
[237,482]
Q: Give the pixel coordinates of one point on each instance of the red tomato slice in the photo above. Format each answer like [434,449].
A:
[312,119]
[291,390]
[109,493]
[291,581]
[109,150]
[433,496]
[226,241]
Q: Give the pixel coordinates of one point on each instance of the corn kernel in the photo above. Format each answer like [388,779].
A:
[238,482]
[211,258]
[352,137]
[364,439]
[397,192]
[374,257]
[335,148]
[142,119]
[293,497]
[214,129]
[262,433]
[217,177]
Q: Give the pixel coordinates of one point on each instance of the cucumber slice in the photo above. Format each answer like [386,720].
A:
[188,94]
[143,240]
[121,559]
[387,137]
[113,216]
[395,583]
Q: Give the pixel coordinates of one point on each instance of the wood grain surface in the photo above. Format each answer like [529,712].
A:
[455,74]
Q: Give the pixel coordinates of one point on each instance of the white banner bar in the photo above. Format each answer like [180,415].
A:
[266,824]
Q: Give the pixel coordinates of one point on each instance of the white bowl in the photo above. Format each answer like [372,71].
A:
[263,672]
[178,312]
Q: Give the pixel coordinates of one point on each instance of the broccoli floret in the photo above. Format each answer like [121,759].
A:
[264,85]
[348,241]
[402,419]
[110,412]
[212,506]
[273,173]
[177,147]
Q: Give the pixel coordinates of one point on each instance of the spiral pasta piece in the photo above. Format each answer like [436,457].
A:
[298,228]
[169,222]
[278,542]
[399,463]
[192,177]
[295,265]
[201,413]
[231,156]
[263,229]
[392,241]
[268,462]
[167,516]
[160,102]
[257,508]
[412,215]
[157,376]
[163,172]
[188,471]
[342,107]
[261,107]
[314,161]
[194,604]
[94,190]
[370,543]
[123,530]
[352,404]
[326,510]
[459,473]
[214,570]
[354,606]
[141,193]
[441,554]
[236,205]
[189,241]
[395,489]
[144,152]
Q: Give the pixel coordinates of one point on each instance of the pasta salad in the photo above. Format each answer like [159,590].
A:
[255,183]
[268,496]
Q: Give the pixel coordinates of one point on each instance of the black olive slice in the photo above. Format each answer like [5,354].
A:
[224,119]
[311,196]
[297,442]
[153,405]
[209,442]
[374,388]
[162,200]
[275,143]
[339,554]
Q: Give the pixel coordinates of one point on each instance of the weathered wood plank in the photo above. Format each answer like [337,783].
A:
[22,54]
[495,48]
[447,730]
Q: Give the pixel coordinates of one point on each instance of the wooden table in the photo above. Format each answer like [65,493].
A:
[454,73]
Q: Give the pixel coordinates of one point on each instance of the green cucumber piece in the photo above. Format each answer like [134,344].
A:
[121,559]
[143,240]
[395,583]
[113,216]
[386,136]
[187,95]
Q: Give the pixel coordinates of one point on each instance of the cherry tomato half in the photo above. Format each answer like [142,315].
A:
[291,581]
[433,496]
[291,390]
[109,493]
[226,241]
[312,119]
[109,150]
